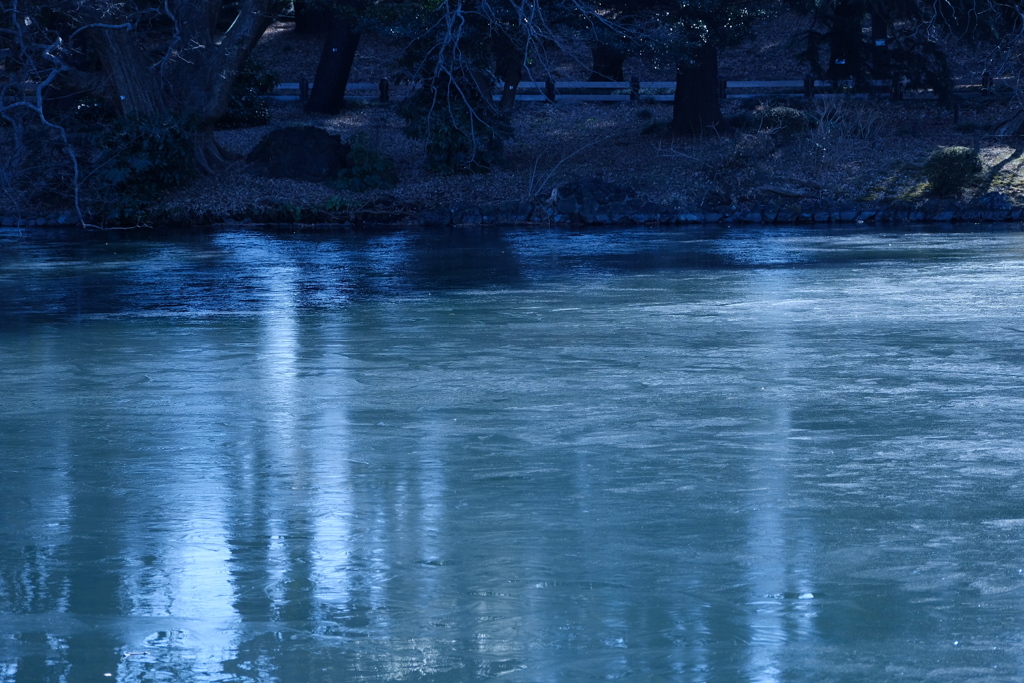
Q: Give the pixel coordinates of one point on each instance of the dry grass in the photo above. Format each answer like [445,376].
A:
[1004,169]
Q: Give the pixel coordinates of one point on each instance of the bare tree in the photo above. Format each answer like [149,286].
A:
[459,51]
[32,60]
[1007,61]
[451,53]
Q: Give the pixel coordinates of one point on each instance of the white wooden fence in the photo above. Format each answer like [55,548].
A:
[657,91]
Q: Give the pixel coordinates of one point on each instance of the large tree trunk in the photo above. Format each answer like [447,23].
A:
[845,41]
[202,77]
[511,75]
[607,63]
[695,108]
[508,68]
[190,83]
[138,91]
[880,66]
[335,66]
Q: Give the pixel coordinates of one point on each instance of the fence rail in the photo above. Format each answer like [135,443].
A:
[663,91]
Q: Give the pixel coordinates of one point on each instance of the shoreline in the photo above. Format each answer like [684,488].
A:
[831,161]
[554,174]
[541,214]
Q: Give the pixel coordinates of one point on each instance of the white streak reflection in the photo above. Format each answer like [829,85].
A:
[777,578]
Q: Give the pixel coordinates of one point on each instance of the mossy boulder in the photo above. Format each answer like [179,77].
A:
[300,153]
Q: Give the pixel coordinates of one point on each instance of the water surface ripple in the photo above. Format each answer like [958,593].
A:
[763,455]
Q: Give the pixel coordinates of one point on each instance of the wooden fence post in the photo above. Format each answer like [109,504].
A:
[549,89]
[634,90]
[809,86]
[385,90]
[897,88]
[986,83]
[303,90]
[723,86]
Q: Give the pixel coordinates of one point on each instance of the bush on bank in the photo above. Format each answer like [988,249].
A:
[949,169]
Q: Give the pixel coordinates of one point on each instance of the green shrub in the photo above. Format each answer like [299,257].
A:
[786,120]
[463,132]
[743,120]
[656,128]
[248,106]
[949,169]
[369,171]
[87,114]
[141,158]
[750,149]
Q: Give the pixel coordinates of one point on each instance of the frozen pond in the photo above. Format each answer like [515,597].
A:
[539,456]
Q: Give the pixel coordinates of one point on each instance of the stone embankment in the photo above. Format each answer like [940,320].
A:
[596,202]
[52,219]
[599,203]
